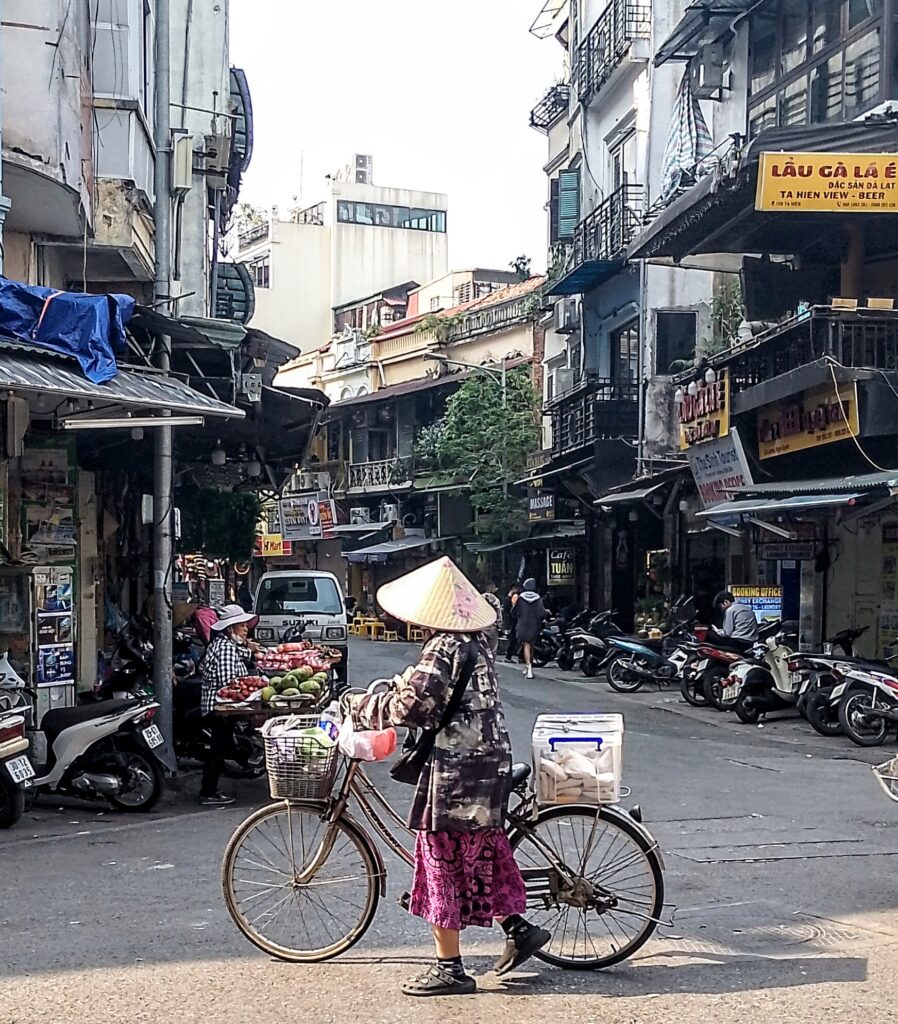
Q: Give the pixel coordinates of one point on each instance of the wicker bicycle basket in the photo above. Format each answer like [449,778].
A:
[887,776]
[300,767]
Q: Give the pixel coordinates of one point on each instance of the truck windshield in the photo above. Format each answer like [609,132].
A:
[285,595]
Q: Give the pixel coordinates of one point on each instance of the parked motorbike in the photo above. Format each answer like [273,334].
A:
[16,771]
[590,647]
[109,750]
[763,682]
[637,662]
[868,704]
[723,654]
[566,657]
[815,696]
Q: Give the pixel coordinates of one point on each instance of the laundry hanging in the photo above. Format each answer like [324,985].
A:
[688,145]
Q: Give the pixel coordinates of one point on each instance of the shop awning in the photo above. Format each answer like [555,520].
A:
[828,484]
[628,497]
[544,474]
[383,552]
[779,506]
[52,379]
[703,21]
[561,532]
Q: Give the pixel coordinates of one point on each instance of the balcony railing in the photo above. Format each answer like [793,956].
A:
[608,42]
[254,234]
[550,107]
[606,409]
[380,475]
[859,338]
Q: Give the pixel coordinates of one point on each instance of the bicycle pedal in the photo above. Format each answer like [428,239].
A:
[404,901]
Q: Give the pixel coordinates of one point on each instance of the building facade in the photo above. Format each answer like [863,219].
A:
[364,239]
[797,211]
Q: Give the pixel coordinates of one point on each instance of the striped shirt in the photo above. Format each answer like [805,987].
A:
[226,659]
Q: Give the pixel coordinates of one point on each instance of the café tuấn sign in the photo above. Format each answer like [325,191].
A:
[828,182]
[705,416]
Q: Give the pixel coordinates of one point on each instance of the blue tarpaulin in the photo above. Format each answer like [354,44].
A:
[90,328]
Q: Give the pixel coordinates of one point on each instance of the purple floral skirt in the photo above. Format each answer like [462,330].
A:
[466,878]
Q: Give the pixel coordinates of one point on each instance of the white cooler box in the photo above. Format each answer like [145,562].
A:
[578,759]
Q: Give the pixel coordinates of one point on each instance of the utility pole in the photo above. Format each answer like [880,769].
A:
[4,202]
[163,496]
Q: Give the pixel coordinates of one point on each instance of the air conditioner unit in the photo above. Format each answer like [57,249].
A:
[359,516]
[707,72]
[389,513]
[218,160]
[567,315]
[564,380]
[364,169]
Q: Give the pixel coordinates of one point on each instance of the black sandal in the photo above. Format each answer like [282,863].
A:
[523,942]
[438,982]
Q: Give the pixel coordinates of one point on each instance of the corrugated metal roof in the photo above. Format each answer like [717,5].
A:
[777,506]
[826,485]
[22,371]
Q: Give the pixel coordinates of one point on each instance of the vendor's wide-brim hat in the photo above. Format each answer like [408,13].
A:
[234,615]
[437,596]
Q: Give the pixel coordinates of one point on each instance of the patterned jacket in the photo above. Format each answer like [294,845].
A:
[466,785]
[226,659]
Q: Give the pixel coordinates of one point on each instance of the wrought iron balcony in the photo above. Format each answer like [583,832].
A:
[598,410]
[608,42]
[550,107]
[254,234]
[855,338]
[380,475]
[597,250]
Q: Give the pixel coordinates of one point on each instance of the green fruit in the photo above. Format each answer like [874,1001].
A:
[276,681]
[303,673]
[309,687]
[267,693]
[320,677]
[292,692]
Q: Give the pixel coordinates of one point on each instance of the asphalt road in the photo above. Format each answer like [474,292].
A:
[779,851]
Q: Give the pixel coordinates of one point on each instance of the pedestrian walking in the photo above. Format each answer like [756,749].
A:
[465,871]
[229,656]
[529,614]
[492,632]
[510,622]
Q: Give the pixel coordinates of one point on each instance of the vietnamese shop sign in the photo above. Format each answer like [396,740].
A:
[828,182]
[561,567]
[814,417]
[307,517]
[541,505]
[719,468]
[704,414]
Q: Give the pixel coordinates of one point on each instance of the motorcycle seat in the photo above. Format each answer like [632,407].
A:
[59,719]
[520,773]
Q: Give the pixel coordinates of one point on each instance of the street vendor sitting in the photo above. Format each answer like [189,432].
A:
[230,656]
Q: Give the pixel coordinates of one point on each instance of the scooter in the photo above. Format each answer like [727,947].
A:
[868,704]
[763,681]
[724,653]
[590,647]
[110,750]
[566,657]
[636,662]
[16,770]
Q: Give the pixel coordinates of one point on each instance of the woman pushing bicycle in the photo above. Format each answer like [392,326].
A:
[464,870]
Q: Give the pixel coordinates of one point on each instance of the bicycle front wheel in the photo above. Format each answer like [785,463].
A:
[300,888]
[594,881]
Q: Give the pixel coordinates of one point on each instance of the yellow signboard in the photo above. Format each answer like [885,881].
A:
[272,545]
[828,182]
[705,416]
[811,418]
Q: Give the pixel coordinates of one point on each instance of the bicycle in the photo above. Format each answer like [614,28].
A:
[302,878]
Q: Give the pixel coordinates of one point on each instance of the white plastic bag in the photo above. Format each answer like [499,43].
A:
[367,744]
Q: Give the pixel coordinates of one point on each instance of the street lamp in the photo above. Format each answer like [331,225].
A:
[502,377]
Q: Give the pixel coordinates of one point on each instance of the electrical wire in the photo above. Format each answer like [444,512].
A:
[875,465]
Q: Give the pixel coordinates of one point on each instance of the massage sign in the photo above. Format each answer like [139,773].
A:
[703,413]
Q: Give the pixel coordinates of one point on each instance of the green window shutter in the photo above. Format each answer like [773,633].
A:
[568,203]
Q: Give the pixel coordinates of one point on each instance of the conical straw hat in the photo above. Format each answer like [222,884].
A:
[437,596]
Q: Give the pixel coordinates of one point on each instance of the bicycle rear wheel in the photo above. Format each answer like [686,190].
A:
[617,894]
[301,920]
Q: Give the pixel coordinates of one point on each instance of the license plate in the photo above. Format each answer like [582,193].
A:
[20,768]
[730,692]
[153,737]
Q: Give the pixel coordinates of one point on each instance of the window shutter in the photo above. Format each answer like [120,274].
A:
[553,211]
[568,203]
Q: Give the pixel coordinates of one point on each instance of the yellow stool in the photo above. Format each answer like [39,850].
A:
[377,629]
[415,633]
[391,635]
